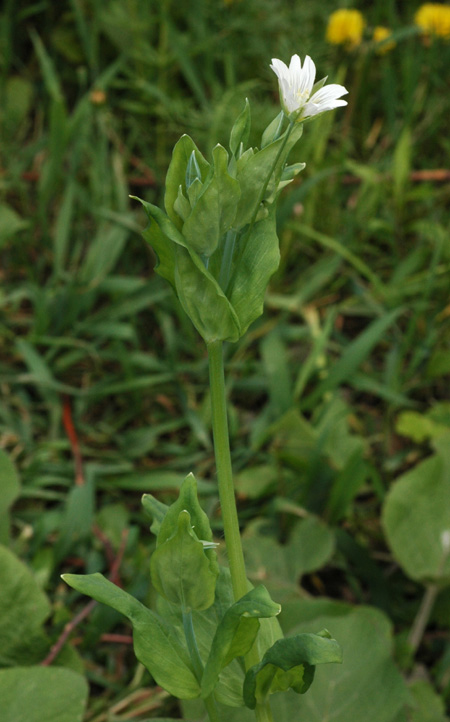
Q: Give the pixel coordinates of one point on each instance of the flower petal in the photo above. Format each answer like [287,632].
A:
[329,92]
[296,84]
[280,69]
[307,78]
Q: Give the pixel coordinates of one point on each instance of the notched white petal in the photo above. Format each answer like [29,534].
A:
[296,85]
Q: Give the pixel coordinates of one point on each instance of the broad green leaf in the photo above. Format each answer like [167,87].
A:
[228,689]
[203,300]
[157,644]
[289,664]
[23,610]
[256,481]
[367,686]
[42,694]
[427,706]
[187,500]
[236,633]
[420,427]
[416,514]
[199,293]
[10,486]
[181,571]
[255,264]
[240,131]
[215,209]
[310,546]
[176,174]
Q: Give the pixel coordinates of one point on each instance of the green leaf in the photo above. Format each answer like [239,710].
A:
[181,570]
[10,223]
[427,706]
[281,566]
[166,225]
[416,514]
[240,131]
[199,293]
[419,427]
[164,250]
[353,356]
[9,482]
[77,518]
[156,643]
[273,130]
[23,610]
[367,686]
[215,209]
[252,170]
[255,265]
[289,663]
[42,694]
[203,300]
[176,174]
[229,687]
[187,500]
[156,509]
[236,633]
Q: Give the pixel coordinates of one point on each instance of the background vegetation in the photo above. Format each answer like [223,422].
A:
[338,395]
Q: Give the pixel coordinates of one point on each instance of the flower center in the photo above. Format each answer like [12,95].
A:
[301,96]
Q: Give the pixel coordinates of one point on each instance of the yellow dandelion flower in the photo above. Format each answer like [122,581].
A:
[434,19]
[345,27]
[381,33]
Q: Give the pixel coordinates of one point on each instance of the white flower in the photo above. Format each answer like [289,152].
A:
[296,85]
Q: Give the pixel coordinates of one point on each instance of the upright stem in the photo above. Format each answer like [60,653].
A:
[224,471]
[226,493]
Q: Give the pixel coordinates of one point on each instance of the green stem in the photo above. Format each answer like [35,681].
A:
[226,494]
[422,618]
[224,471]
[269,176]
[426,607]
[197,663]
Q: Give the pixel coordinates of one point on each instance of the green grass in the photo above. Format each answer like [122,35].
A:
[356,330]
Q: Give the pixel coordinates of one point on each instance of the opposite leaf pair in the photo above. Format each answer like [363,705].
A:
[217,243]
[192,585]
